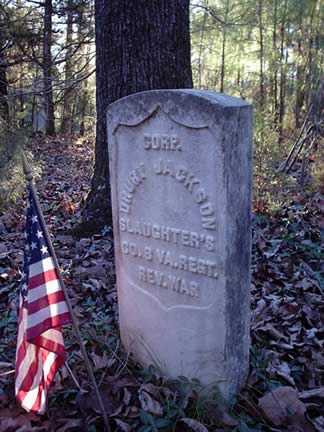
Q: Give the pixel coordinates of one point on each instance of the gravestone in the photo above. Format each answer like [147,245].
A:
[180,167]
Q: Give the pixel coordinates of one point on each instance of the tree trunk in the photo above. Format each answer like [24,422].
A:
[310,63]
[140,45]
[275,67]
[21,97]
[261,78]
[223,61]
[4,106]
[47,69]
[274,86]
[223,57]
[282,75]
[299,102]
[67,104]
[202,34]
[300,85]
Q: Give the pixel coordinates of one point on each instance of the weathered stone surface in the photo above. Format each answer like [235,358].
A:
[180,163]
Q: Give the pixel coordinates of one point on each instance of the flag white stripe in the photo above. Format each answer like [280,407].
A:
[22,328]
[50,359]
[32,394]
[43,290]
[28,359]
[41,266]
[54,336]
[45,313]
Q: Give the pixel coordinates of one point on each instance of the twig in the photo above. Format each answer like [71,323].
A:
[8,372]
[72,376]
[283,166]
[292,163]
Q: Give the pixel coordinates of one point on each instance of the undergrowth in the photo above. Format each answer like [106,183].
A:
[12,179]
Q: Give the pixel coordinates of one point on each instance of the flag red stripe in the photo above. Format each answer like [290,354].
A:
[42,278]
[50,322]
[37,404]
[45,301]
[50,345]
[54,368]
[21,352]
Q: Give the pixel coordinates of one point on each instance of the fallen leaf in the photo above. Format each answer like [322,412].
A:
[12,424]
[123,426]
[101,362]
[149,404]
[283,407]
[195,425]
[70,425]
[317,393]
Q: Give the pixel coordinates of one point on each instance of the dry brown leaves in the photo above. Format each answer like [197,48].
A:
[285,389]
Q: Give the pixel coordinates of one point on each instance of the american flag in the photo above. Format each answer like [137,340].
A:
[42,311]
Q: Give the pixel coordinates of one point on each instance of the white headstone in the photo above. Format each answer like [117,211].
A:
[180,166]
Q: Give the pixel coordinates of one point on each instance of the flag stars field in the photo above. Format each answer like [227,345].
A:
[44,249]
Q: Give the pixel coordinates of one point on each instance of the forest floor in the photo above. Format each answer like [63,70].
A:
[285,387]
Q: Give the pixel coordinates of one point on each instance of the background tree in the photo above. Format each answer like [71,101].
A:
[47,68]
[268,52]
[132,55]
[43,46]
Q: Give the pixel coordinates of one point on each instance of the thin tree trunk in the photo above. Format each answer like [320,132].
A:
[140,45]
[282,74]
[67,104]
[4,105]
[310,65]
[261,78]
[21,96]
[47,69]
[84,97]
[201,48]
[275,67]
[239,63]
[222,77]
[34,102]
[223,57]
[300,85]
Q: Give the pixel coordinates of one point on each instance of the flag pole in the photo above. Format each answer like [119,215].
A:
[29,178]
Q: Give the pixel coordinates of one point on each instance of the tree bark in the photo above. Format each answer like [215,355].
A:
[140,45]
[47,68]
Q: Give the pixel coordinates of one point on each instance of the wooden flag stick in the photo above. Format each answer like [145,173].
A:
[29,178]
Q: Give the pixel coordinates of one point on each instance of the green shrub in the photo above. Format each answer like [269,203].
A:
[12,180]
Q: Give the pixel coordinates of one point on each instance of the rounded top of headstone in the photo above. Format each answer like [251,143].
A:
[221,99]
[186,106]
